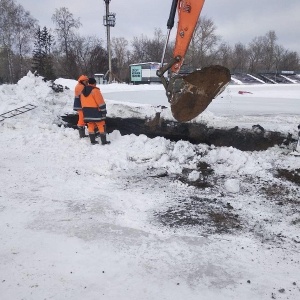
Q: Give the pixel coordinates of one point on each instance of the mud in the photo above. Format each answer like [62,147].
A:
[209,215]
[191,94]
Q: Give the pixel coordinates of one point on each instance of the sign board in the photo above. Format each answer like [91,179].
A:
[136,73]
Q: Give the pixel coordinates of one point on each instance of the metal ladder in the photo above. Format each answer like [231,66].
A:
[17,111]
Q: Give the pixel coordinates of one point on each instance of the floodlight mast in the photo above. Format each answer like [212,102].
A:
[109,20]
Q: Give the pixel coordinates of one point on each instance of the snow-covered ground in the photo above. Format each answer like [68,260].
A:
[145,218]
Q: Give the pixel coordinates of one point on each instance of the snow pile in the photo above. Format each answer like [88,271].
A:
[141,218]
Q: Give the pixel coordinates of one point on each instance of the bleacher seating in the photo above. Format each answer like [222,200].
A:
[245,78]
[271,78]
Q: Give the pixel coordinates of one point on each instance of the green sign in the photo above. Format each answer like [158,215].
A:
[136,73]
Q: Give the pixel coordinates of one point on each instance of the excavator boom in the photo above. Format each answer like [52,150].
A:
[188,15]
[189,95]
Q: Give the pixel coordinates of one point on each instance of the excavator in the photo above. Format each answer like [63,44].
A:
[189,95]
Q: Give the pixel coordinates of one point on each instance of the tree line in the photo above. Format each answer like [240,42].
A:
[62,52]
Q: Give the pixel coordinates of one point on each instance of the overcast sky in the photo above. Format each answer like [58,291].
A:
[236,20]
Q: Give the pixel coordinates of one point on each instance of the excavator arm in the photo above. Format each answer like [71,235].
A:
[189,95]
[188,15]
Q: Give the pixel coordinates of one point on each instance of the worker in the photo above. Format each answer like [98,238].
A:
[94,111]
[82,82]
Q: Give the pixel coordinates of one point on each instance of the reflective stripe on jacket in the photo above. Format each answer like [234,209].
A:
[93,105]
[78,89]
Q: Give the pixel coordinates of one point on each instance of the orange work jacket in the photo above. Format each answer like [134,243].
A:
[93,104]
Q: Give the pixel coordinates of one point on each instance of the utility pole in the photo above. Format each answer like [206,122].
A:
[109,20]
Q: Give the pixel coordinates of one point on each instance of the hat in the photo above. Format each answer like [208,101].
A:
[92,80]
[83,78]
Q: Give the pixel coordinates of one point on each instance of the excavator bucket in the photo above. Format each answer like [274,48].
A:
[190,95]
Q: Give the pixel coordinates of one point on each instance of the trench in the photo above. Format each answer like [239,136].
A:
[253,139]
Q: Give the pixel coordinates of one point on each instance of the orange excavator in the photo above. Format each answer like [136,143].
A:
[189,95]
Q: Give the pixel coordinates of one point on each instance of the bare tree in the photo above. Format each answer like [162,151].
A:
[25,28]
[65,30]
[290,61]
[7,17]
[82,47]
[269,44]
[98,62]
[146,49]
[16,28]
[203,46]
[91,55]
[239,58]
[154,46]
[139,53]
[73,54]
[266,55]
[279,54]
[256,50]
[224,55]
[120,54]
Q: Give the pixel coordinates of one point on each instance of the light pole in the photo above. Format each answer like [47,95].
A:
[109,20]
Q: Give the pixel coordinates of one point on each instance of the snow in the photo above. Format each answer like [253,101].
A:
[232,185]
[141,218]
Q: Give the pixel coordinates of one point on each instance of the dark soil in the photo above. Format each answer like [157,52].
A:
[254,139]
[210,215]
[217,213]
[290,175]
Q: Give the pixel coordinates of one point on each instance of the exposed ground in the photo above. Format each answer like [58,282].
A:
[256,138]
[206,208]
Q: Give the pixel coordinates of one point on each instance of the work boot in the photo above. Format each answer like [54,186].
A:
[93,139]
[81,130]
[103,139]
